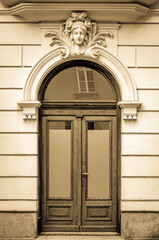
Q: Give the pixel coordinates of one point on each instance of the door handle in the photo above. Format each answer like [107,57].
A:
[85,174]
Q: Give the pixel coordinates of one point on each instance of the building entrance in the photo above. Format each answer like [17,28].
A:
[79,153]
[79,172]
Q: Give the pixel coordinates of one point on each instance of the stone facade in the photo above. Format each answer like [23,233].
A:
[26,57]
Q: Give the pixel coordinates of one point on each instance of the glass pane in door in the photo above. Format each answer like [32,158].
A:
[98,159]
[59,159]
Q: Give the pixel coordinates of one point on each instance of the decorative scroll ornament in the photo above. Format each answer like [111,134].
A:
[78,33]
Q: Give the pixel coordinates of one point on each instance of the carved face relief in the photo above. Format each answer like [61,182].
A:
[78,36]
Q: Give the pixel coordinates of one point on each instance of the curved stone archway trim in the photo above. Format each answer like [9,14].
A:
[97,54]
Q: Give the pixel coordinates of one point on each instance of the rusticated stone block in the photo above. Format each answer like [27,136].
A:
[140,225]
[18,225]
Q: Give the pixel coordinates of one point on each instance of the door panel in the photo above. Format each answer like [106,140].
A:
[98,195]
[60,158]
[79,173]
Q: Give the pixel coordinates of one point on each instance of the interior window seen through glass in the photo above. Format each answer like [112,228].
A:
[79,83]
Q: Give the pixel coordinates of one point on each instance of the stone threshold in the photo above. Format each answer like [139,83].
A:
[79,236]
[80,233]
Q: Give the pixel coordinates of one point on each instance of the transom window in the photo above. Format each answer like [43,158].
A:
[79,83]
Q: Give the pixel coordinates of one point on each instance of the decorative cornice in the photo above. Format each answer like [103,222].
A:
[29,109]
[154,11]
[101,26]
[14,2]
[5,11]
[129,109]
[57,12]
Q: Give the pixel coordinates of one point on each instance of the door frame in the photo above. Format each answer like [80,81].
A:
[78,109]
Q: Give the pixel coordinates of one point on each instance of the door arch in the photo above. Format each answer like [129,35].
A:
[53,59]
[87,198]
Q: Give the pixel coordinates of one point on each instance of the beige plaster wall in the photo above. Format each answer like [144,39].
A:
[138,47]
[20,44]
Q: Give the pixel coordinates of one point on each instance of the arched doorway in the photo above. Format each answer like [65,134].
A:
[79,150]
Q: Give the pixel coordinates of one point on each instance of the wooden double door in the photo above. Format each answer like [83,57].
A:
[79,172]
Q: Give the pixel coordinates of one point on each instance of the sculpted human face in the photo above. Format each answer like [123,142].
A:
[79,36]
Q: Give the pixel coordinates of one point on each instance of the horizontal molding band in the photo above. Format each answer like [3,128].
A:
[151,22]
[22,21]
[9,66]
[17,200]
[140,155]
[21,44]
[18,211]
[18,132]
[27,66]
[19,110]
[18,177]
[11,88]
[20,154]
[149,110]
[140,211]
[5,10]
[10,110]
[140,200]
[137,45]
[148,67]
[140,177]
[19,22]
[148,89]
[20,66]
[140,133]
[121,177]
[136,67]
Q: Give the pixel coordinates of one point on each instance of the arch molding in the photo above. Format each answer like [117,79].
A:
[97,54]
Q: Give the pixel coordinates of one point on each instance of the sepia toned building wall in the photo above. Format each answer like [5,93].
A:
[22,44]
[138,47]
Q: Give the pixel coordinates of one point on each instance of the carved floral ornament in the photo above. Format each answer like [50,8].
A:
[78,33]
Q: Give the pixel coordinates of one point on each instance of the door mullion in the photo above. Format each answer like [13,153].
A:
[78,170]
[84,170]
